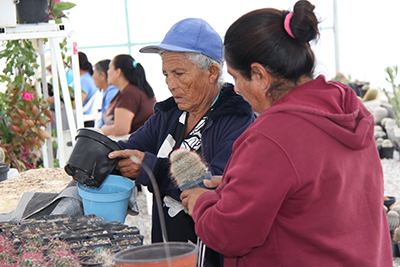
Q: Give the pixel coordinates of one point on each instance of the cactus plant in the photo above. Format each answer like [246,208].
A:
[33,252]
[393,219]
[186,166]
[396,235]
[6,251]
[395,207]
[394,99]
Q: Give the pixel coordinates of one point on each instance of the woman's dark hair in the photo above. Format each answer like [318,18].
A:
[133,72]
[84,63]
[102,66]
[259,36]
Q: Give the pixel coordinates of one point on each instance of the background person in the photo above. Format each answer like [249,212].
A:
[88,86]
[204,115]
[100,78]
[134,102]
[302,176]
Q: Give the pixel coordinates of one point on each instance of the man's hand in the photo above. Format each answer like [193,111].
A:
[128,168]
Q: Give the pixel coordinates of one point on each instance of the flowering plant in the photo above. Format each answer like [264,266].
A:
[23,114]
[24,117]
[56,9]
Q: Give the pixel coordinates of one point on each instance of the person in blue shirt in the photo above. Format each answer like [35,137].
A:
[88,86]
[101,80]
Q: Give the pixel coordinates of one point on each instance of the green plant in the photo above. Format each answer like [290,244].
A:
[23,114]
[393,98]
[56,9]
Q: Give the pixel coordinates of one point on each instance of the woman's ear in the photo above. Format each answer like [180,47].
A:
[118,72]
[260,76]
[214,71]
[103,75]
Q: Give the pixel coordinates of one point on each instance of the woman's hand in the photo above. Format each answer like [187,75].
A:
[214,182]
[190,196]
[128,168]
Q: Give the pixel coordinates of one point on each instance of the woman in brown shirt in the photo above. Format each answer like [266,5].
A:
[134,102]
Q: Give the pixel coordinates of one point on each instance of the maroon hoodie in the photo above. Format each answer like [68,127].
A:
[303,187]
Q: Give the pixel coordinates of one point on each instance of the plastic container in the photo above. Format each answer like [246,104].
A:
[4,167]
[154,255]
[197,183]
[110,201]
[8,17]
[32,11]
[89,163]
[12,172]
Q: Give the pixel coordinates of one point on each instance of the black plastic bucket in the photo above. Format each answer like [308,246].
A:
[89,163]
[4,168]
[32,11]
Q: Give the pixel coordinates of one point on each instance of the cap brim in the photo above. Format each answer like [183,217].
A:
[160,47]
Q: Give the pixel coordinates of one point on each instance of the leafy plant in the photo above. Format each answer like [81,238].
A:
[393,98]
[23,114]
[56,9]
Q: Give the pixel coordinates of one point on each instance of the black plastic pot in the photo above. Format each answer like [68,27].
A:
[89,164]
[32,11]
[386,152]
[133,230]
[389,201]
[4,168]
[90,262]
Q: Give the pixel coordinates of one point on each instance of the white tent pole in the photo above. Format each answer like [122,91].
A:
[47,148]
[77,83]
[336,35]
[57,104]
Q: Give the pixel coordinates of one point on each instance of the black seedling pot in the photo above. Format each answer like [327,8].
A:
[89,163]
[4,168]
[32,11]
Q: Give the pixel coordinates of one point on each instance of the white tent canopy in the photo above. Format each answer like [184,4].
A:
[366,32]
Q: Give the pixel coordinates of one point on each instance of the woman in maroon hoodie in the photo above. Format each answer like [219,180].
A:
[304,185]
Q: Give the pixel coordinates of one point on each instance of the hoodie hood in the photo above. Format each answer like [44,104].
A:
[333,107]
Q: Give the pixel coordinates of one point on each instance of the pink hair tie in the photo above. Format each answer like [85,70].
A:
[286,24]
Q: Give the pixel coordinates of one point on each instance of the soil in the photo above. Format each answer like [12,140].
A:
[50,180]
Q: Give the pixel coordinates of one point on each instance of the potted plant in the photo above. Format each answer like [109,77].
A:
[36,11]
[33,251]
[24,114]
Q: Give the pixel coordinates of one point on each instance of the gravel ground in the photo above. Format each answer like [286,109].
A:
[391,169]
[143,219]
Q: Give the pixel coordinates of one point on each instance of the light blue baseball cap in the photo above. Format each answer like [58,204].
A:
[190,35]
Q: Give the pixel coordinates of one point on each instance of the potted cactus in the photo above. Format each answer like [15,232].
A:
[34,251]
